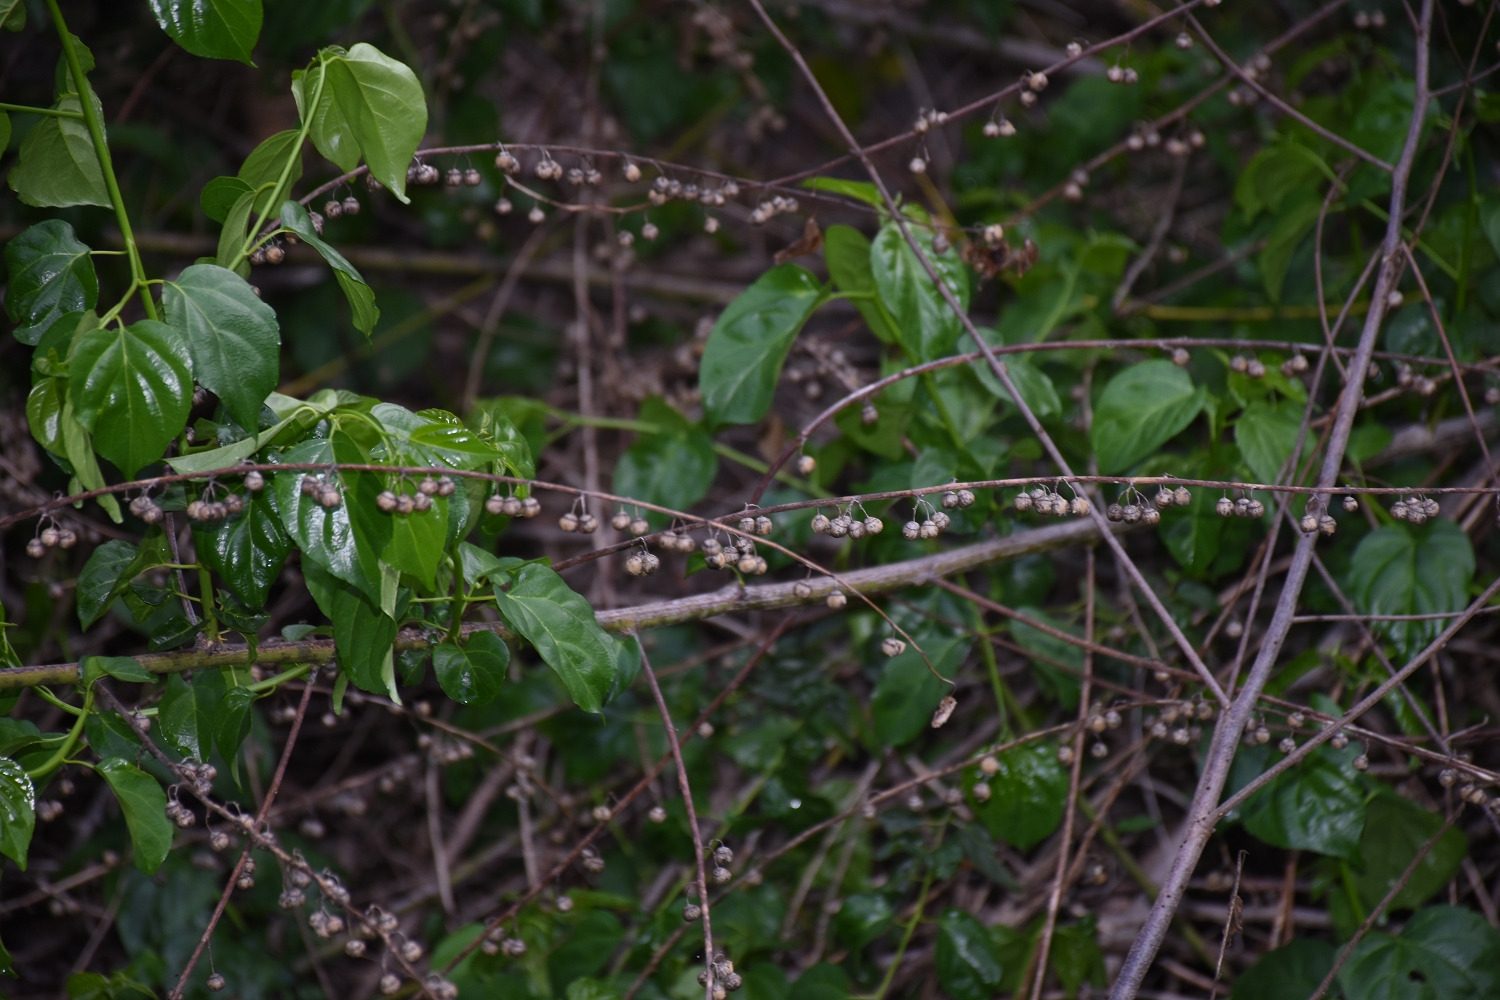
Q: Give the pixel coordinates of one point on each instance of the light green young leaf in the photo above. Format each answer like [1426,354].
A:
[231,334]
[471,674]
[1412,571]
[213,29]
[859,190]
[57,166]
[121,668]
[17,811]
[51,275]
[266,162]
[560,623]
[133,390]
[144,805]
[749,343]
[928,328]
[1141,409]
[847,254]
[384,108]
[361,298]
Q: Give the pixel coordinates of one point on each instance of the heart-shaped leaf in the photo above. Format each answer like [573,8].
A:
[1141,409]
[560,623]
[231,334]
[57,165]
[926,324]
[144,805]
[1027,795]
[1412,571]
[1444,951]
[214,29]
[383,107]
[51,274]
[133,390]
[745,351]
[219,196]
[471,674]
[248,549]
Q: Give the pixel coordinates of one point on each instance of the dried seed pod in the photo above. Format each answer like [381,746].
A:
[723,856]
[1399,510]
[1327,525]
[1255,368]
[720,875]
[504,206]
[802,590]
[927,529]
[530,507]
[1361,763]
[1150,515]
[839,526]
[421,503]
[354,948]
[944,711]
[428,485]
[587,524]
[911,530]
[763,525]
[941,520]
[1079,507]
[1309,523]
[1180,357]
[891,646]
[351,205]
[472,178]
[446,486]
[1024,502]
[411,951]
[1224,507]
[657,814]
[806,464]
[820,523]
[950,499]
[1182,496]
[1132,513]
[1165,497]
[254,481]
[494,505]
[1242,507]
[639,526]
[1114,512]
[245,883]
[405,504]
[1238,363]
[856,529]
[873,525]
[292,898]
[218,840]
[386,501]
[1065,754]
[390,984]
[651,563]
[691,912]
[215,983]
[620,521]
[837,600]
[330,498]
[634,564]
[966,498]
[712,546]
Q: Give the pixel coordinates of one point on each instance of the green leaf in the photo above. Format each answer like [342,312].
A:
[219,196]
[4,130]
[1319,805]
[214,29]
[186,719]
[847,253]
[1193,534]
[325,536]
[471,674]
[928,328]
[361,298]
[1444,951]
[232,721]
[57,166]
[1266,434]
[541,608]
[133,391]
[967,966]
[78,449]
[263,167]
[44,413]
[908,692]
[863,918]
[821,982]
[121,668]
[144,805]
[860,190]
[109,735]
[673,469]
[1412,571]
[1076,956]
[1274,173]
[330,131]
[248,549]
[51,274]
[1291,972]
[102,579]
[232,235]
[1027,796]
[1141,409]
[749,343]
[231,334]
[1395,829]
[384,109]
[1285,237]
[17,811]
[362,632]
[12,16]
[1035,385]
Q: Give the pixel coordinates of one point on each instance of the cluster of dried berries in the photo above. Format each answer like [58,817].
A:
[51,537]
[930,527]
[1242,507]
[768,210]
[270,253]
[422,173]
[1045,501]
[1252,366]
[582,522]
[324,490]
[845,523]
[642,563]
[1416,510]
[147,510]
[513,506]
[636,525]
[217,510]
[1294,365]
[334,208]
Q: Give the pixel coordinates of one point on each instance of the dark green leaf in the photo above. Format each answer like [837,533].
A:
[232,721]
[219,196]
[102,579]
[847,253]
[1444,951]
[1288,973]
[908,691]
[44,413]
[1141,409]
[12,15]
[1412,571]
[174,632]
[471,674]
[1395,829]
[1319,805]
[17,811]
[1049,655]
[231,336]
[232,235]
[144,805]
[863,918]
[967,965]
[383,107]
[78,449]
[1274,173]
[121,668]
[186,719]
[110,735]
[361,298]
[1266,434]
[329,131]
[927,326]
[1286,236]
[673,469]
[821,982]
[263,167]
[362,632]
[745,351]
[214,29]
[1076,956]
[476,565]
[1027,795]
[248,549]
[133,392]
[57,166]
[51,274]
[1035,385]
[560,623]
[979,848]
[325,536]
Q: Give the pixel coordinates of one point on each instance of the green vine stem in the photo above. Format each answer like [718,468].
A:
[106,165]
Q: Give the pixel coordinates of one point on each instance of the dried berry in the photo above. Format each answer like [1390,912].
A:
[837,600]
[215,983]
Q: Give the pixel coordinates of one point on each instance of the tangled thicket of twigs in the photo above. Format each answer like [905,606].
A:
[1211,287]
